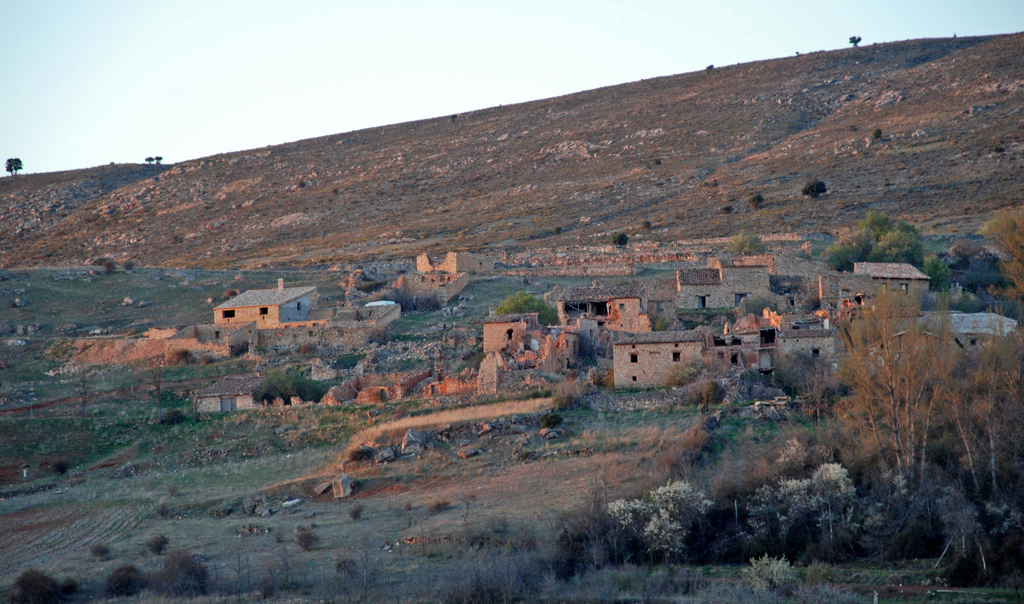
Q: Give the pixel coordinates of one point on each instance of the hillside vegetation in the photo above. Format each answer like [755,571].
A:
[929,131]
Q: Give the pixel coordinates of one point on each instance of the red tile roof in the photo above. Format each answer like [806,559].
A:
[699,276]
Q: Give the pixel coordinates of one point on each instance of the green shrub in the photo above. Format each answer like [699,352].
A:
[306,539]
[756,200]
[814,188]
[173,417]
[747,243]
[287,383]
[550,420]
[522,302]
[36,587]
[620,239]
[938,270]
[157,544]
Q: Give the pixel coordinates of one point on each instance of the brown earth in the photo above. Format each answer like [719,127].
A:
[664,159]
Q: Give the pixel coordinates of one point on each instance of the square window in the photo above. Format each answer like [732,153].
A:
[815,352]
[634,378]
[264,310]
[228,314]
[633,357]
[675,357]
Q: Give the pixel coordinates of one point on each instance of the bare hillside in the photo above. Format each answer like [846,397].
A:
[664,159]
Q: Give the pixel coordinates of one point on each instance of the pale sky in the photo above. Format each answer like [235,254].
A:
[89,82]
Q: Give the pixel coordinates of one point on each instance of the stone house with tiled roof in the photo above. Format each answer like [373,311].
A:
[723,284]
[895,277]
[649,360]
[228,394]
[267,308]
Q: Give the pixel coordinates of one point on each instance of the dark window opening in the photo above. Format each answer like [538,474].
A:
[767,336]
[634,378]
[791,301]
[734,358]
[974,342]
[739,298]
[216,335]
[264,310]
[702,301]
[718,342]
[633,357]
[735,342]
[675,357]
[600,308]
[298,306]
[508,336]
[228,314]
[815,352]
[573,309]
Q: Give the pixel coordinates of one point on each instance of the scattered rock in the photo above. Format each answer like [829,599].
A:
[414,442]
[467,453]
[127,301]
[18,303]
[384,455]
[343,485]
[257,506]
[322,488]
[128,470]
[221,512]
[292,502]
[550,433]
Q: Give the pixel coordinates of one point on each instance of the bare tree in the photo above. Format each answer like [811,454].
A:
[897,372]
[153,374]
[83,382]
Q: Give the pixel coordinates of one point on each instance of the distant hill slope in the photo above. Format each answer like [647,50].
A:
[683,153]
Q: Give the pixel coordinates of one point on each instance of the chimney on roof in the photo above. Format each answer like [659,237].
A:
[280,284]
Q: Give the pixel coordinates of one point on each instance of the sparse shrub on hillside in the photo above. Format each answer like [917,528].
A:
[814,188]
[550,420]
[855,40]
[938,270]
[129,265]
[685,373]
[100,550]
[181,576]
[361,453]
[173,417]
[178,356]
[306,539]
[126,580]
[157,543]
[711,393]
[356,512]
[756,200]
[566,394]
[876,134]
[620,239]
[60,465]
[438,506]
[36,587]
[726,209]
[307,348]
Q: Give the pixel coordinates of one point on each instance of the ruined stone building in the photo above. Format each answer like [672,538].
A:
[650,360]
[621,308]
[526,344]
[970,331]
[444,279]
[455,262]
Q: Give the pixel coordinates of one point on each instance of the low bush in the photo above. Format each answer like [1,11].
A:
[124,581]
[767,574]
[60,465]
[307,348]
[100,550]
[157,544]
[361,453]
[179,356]
[181,575]
[550,420]
[306,539]
[356,512]
[173,417]
[285,384]
[565,395]
[814,188]
[36,587]
[438,506]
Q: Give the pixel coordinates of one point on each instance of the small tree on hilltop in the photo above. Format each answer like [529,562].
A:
[14,165]
[855,40]
[158,159]
[149,160]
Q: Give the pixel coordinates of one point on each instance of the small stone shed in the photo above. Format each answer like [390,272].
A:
[619,308]
[228,394]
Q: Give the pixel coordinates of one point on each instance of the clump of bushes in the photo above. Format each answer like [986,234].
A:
[60,465]
[550,420]
[173,417]
[767,574]
[179,356]
[438,506]
[306,539]
[126,580]
[287,383]
[100,550]
[814,188]
[747,243]
[157,543]
[36,587]
[181,575]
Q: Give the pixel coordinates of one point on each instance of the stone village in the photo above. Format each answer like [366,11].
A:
[604,334]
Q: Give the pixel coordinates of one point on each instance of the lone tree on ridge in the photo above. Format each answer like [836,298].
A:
[149,160]
[855,40]
[13,165]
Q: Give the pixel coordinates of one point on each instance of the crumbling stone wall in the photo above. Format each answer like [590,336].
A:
[455,262]
[489,378]
[443,286]
[811,342]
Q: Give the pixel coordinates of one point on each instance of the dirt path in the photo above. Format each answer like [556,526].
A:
[464,414]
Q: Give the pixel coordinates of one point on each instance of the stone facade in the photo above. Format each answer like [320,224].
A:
[895,277]
[228,394]
[622,308]
[442,285]
[723,284]
[648,360]
[267,308]
[528,344]
[455,262]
